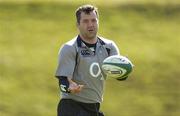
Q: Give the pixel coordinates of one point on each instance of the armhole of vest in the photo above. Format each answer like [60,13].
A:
[107,49]
[76,58]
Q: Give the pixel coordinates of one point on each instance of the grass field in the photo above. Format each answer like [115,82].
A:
[148,33]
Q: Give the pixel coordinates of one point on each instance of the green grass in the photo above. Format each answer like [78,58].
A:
[100,2]
[30,37]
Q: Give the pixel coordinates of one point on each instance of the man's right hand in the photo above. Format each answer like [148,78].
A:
[74,87]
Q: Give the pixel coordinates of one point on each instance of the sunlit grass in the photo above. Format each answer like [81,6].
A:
[30,37]
[111,2]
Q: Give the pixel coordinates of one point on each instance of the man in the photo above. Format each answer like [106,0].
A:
[79,70]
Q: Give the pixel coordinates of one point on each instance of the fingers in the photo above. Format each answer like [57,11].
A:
[74,88]
[80,88]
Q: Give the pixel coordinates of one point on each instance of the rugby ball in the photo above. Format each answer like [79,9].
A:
[117,66]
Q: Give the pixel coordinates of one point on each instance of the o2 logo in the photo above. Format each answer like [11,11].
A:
[97,73]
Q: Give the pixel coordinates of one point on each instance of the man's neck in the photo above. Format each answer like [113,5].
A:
[90,41]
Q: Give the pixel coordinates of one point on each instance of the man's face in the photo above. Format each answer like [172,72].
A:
[88,25]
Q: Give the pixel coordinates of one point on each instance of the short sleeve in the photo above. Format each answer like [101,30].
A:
[66,62]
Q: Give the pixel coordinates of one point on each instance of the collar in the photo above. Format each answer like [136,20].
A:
[81,44]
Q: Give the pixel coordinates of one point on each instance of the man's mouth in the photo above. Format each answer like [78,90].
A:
[90,30]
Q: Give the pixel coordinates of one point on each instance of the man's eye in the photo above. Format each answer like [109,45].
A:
[94,20]
[85,21]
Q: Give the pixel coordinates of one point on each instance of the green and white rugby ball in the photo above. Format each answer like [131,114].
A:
[117,66]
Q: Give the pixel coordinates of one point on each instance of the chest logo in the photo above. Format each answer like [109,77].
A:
[95,70]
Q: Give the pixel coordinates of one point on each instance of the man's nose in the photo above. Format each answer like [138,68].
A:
[90,24]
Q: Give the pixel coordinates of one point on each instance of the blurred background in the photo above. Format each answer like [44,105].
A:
[147,31]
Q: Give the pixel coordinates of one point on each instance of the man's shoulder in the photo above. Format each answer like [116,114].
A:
[105,40]
[71,42]
[69,46]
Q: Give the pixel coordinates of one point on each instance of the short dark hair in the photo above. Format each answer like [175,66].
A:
[86,9]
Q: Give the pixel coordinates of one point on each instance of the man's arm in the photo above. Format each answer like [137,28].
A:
[68,86]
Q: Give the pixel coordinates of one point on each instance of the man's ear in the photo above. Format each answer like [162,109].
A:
[77,24]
